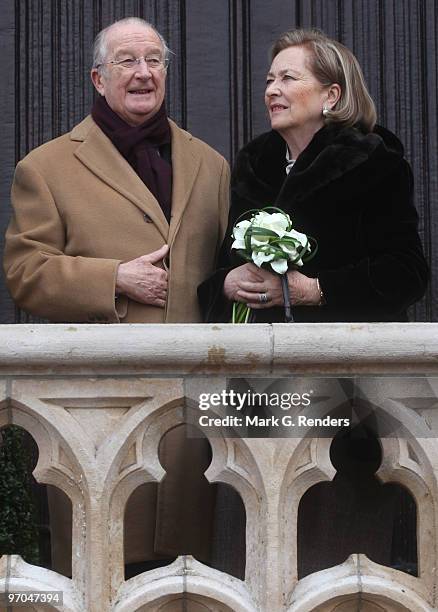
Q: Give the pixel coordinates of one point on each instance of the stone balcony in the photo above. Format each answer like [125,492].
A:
[98,400]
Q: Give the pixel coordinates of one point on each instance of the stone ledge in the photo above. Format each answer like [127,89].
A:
[199,350]
[359,576]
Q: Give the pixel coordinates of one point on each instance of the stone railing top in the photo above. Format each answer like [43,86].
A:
[199,350]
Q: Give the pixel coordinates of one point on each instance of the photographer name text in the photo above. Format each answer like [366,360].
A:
[285,421]
[239,401]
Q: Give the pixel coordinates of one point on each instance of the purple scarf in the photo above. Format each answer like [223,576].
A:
[139,145]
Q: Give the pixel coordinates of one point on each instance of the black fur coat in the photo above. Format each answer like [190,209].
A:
[351,191]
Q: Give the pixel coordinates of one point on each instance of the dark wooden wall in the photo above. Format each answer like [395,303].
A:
[216,80]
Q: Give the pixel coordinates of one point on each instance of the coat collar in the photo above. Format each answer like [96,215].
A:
[333,153]
[99,155]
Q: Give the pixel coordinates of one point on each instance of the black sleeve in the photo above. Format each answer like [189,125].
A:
[394,273]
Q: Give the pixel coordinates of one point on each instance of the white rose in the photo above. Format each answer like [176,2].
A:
[239,234]
[292,254]
[279,266]
[289,250]
[260,257]
[261,218]
[302,238]
[276,222]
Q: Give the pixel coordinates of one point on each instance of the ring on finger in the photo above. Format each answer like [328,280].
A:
[263,297]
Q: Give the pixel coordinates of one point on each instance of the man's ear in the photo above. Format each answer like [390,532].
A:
[333,94]
[96,77]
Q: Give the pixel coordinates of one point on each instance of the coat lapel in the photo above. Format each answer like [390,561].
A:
[102,158]
[185,167]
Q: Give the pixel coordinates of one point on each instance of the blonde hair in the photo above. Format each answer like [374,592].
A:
[331,62]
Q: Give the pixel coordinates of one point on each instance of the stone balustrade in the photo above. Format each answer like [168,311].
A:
[98,400]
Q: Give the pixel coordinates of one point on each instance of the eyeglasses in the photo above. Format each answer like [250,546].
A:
[153,62]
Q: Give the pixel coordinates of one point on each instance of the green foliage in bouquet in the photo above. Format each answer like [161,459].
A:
[268,240]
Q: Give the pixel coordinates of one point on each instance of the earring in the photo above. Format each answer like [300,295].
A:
[325,111]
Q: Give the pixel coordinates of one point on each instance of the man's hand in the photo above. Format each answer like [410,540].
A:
[142,281]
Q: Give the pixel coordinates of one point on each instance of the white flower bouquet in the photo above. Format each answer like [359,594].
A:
[268,240]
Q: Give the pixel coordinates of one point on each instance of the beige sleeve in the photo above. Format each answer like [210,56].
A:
[41,278]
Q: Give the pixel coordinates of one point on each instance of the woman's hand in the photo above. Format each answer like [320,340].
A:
[304,291]
[249,284]
[248,273]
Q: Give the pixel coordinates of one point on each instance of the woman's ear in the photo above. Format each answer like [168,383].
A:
[333,95]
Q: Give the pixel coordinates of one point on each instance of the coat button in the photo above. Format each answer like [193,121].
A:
[147,218]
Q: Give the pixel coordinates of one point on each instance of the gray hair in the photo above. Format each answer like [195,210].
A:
[100,49]
[331,62]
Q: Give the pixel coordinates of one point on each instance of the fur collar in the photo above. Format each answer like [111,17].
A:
[334,153]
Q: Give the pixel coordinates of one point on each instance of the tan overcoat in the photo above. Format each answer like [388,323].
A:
[80,209]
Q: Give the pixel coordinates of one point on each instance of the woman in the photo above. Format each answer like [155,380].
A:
[342,179]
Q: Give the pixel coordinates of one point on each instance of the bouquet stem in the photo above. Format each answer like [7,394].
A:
[241,313]
[286,299]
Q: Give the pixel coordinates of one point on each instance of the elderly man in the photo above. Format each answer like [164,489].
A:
[121,219]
